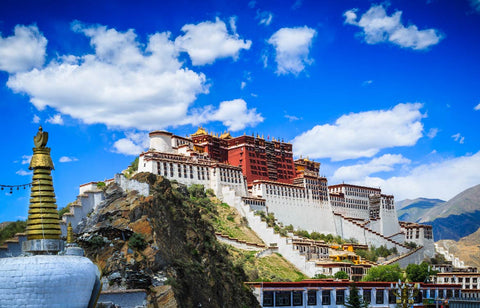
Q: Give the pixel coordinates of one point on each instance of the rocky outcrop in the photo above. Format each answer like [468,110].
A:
[162,244]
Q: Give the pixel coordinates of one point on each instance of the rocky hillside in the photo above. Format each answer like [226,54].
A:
[467,248]
[164,244]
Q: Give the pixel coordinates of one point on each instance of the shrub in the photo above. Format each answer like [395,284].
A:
[210,192]
[137,241]
[196,191]
[96,241]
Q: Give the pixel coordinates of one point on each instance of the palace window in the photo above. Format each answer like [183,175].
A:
[312,297]
[297,298]
[449,293]
[282,298]
[326,297]
[367,296]
[379,297]
[340,297]
[267,299]
[392,299]
[441,294]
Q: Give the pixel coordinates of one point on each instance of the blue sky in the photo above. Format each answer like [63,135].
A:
[381,93]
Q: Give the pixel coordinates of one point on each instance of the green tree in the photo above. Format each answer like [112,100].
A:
[321,276]
[341,275]
[419,273]
[355,300]
[384,273]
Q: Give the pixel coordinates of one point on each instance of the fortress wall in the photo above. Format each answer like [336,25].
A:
[389,221]
[302,214]
[415,258]
[129,185]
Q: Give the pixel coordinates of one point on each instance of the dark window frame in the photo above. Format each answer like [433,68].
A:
[326,297]
[340,297]
[312,298]
[283,298]
[379,300]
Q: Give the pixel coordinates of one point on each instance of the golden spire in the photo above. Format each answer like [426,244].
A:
[43,221]
[69,233]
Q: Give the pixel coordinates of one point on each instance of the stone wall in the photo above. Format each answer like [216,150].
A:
[124,298]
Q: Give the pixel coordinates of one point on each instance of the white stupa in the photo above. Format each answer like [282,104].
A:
[43,278]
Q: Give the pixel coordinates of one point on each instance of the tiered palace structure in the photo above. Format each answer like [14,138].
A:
[264,175]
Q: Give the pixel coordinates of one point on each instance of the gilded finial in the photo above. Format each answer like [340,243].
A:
[42,222]
[69,233]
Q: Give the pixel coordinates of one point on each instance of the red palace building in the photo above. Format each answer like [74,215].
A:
[259,159]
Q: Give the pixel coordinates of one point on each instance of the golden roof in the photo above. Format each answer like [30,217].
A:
[226,135]
[200,132]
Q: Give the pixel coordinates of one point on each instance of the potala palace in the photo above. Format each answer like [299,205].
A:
[262,175]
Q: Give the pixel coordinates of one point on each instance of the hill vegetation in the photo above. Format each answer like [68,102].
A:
[10,229]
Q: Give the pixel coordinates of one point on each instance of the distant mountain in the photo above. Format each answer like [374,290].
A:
[467,201]
[414,210]
[454,219]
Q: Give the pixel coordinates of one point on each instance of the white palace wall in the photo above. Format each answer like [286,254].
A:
[295,205]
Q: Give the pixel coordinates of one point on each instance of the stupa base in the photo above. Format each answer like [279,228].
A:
[43,246]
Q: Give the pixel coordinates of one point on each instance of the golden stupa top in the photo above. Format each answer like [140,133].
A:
[43,221]
[41,154]
[200,131]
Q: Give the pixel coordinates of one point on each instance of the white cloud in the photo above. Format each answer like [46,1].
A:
[23,172]
[26,159]
[264,17]
[36,119]
[292,48]
[292,118]
[66,159]
[122,84]
[362,134]
[441,180]
[56,119]
[459,138]
[432,133]
[360,171]
[234,114]
[132,144]
[367,83]
[243,84]
[378,27]
[207,41]
[22,51]
[475,5]
[476,108]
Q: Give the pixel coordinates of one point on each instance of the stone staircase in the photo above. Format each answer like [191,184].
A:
[413,256]
[390,243]
[282,245]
